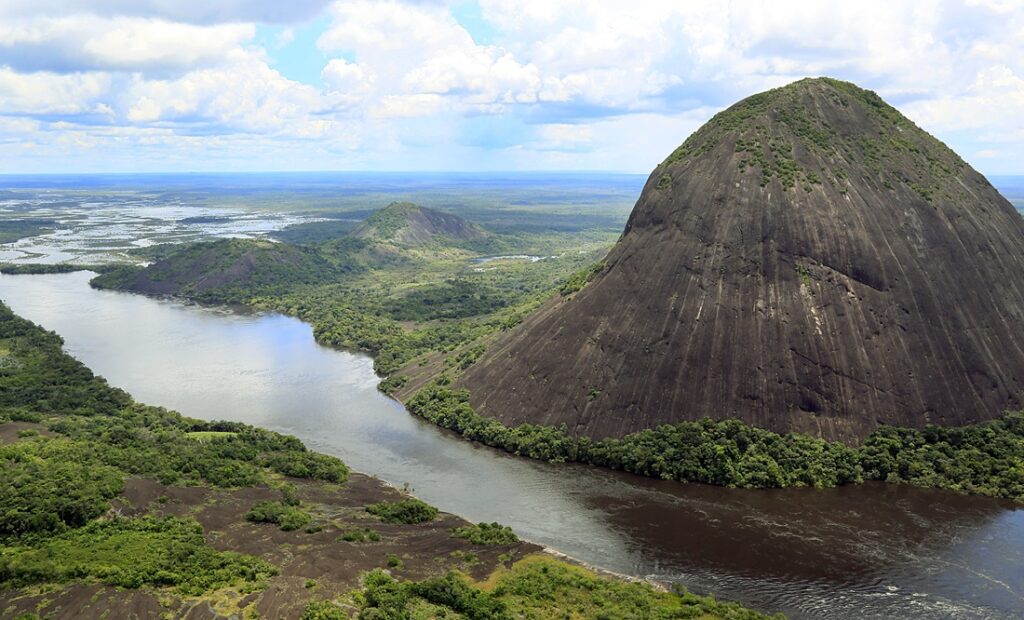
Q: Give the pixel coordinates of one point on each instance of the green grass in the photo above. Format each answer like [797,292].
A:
[541,587]
[361,535]
[210,435]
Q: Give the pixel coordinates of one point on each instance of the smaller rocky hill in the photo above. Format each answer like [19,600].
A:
[409,225]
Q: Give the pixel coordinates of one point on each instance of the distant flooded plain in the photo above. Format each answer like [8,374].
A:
[871,551]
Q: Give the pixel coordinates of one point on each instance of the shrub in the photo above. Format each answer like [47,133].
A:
[452,591]
[363,535]
[487,534]
[288,517]
[386,598]
[407,511]
[392,383]
[289,495]
[301,464]
[580,279]
[323,610]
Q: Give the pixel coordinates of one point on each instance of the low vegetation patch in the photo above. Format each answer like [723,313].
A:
[14,229]
[131,553]
[301,464]
[487,534]
[289,518]
[407,511]
[323,610]
[361,535]
[392,384]
[536,587]
[580,278]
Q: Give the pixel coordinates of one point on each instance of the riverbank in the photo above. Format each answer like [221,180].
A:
[115,509]
[425,367]
[874,549]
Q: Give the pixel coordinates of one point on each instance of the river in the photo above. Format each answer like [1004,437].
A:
[870,551]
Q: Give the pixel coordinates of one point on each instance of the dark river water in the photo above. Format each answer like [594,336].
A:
[871,551]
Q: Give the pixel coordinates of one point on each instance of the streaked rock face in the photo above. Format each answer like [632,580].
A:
[808,260]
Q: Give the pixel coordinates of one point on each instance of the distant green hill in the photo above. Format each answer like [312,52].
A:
[409,225]
[227,270]
[237,270]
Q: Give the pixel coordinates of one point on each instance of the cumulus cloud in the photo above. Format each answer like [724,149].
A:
[578,83]
[194,12]
[50,94]
[417,57]
[90,43]
[257,100]
[996,94]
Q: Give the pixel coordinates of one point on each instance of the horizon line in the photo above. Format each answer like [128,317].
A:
[272,171]
[356,171]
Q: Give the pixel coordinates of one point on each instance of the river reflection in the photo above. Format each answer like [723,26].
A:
[871,551]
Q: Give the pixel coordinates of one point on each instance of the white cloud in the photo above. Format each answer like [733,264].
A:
[52,94]
[994,100]
[585,83]
[245,95]
[86,42]
[190,11]
[342,76]
[415,58]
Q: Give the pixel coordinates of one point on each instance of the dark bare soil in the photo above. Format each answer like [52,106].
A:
[9,431]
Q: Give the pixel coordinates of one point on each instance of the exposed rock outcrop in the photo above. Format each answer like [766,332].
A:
[808,260]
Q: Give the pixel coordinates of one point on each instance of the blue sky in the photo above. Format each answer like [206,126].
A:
[234,85]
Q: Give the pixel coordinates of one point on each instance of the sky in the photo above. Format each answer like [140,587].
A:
[473,85]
